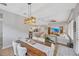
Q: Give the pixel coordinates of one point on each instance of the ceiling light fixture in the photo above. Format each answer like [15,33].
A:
[30,19]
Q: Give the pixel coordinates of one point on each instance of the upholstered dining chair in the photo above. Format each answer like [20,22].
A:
[18,50]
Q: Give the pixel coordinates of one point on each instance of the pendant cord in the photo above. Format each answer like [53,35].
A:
[29,9]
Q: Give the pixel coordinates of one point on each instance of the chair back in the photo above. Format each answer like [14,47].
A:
[14,44]
[18,50]
[21,50]
[52,49]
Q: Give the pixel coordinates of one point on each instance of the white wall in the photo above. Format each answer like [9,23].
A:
[13,20]
[13,28]
[1,37]
[70,29]
[77,27]
[10,34]
[77,36]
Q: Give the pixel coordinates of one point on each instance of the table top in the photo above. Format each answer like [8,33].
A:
[41,48]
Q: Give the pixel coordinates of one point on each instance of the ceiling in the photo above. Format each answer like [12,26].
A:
[43,11]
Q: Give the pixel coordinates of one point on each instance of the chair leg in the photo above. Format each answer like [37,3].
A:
[26,54]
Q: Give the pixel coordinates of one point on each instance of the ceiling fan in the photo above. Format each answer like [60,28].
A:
[5,4]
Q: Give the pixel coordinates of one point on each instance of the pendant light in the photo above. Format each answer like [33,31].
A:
[30,19]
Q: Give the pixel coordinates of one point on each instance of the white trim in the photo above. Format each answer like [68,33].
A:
[7,46]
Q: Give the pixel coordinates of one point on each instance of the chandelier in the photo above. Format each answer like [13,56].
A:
[30,19]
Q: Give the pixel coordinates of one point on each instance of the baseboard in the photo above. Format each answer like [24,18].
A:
[7,46]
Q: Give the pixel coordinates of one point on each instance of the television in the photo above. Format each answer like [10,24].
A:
[55,29]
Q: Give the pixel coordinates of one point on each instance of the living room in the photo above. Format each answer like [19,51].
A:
[27,21]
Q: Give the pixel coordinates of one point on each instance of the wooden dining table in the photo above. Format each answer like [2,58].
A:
[31,50]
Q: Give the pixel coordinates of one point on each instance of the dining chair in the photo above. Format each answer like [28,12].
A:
[21,50]
[18,50]
[52,49]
